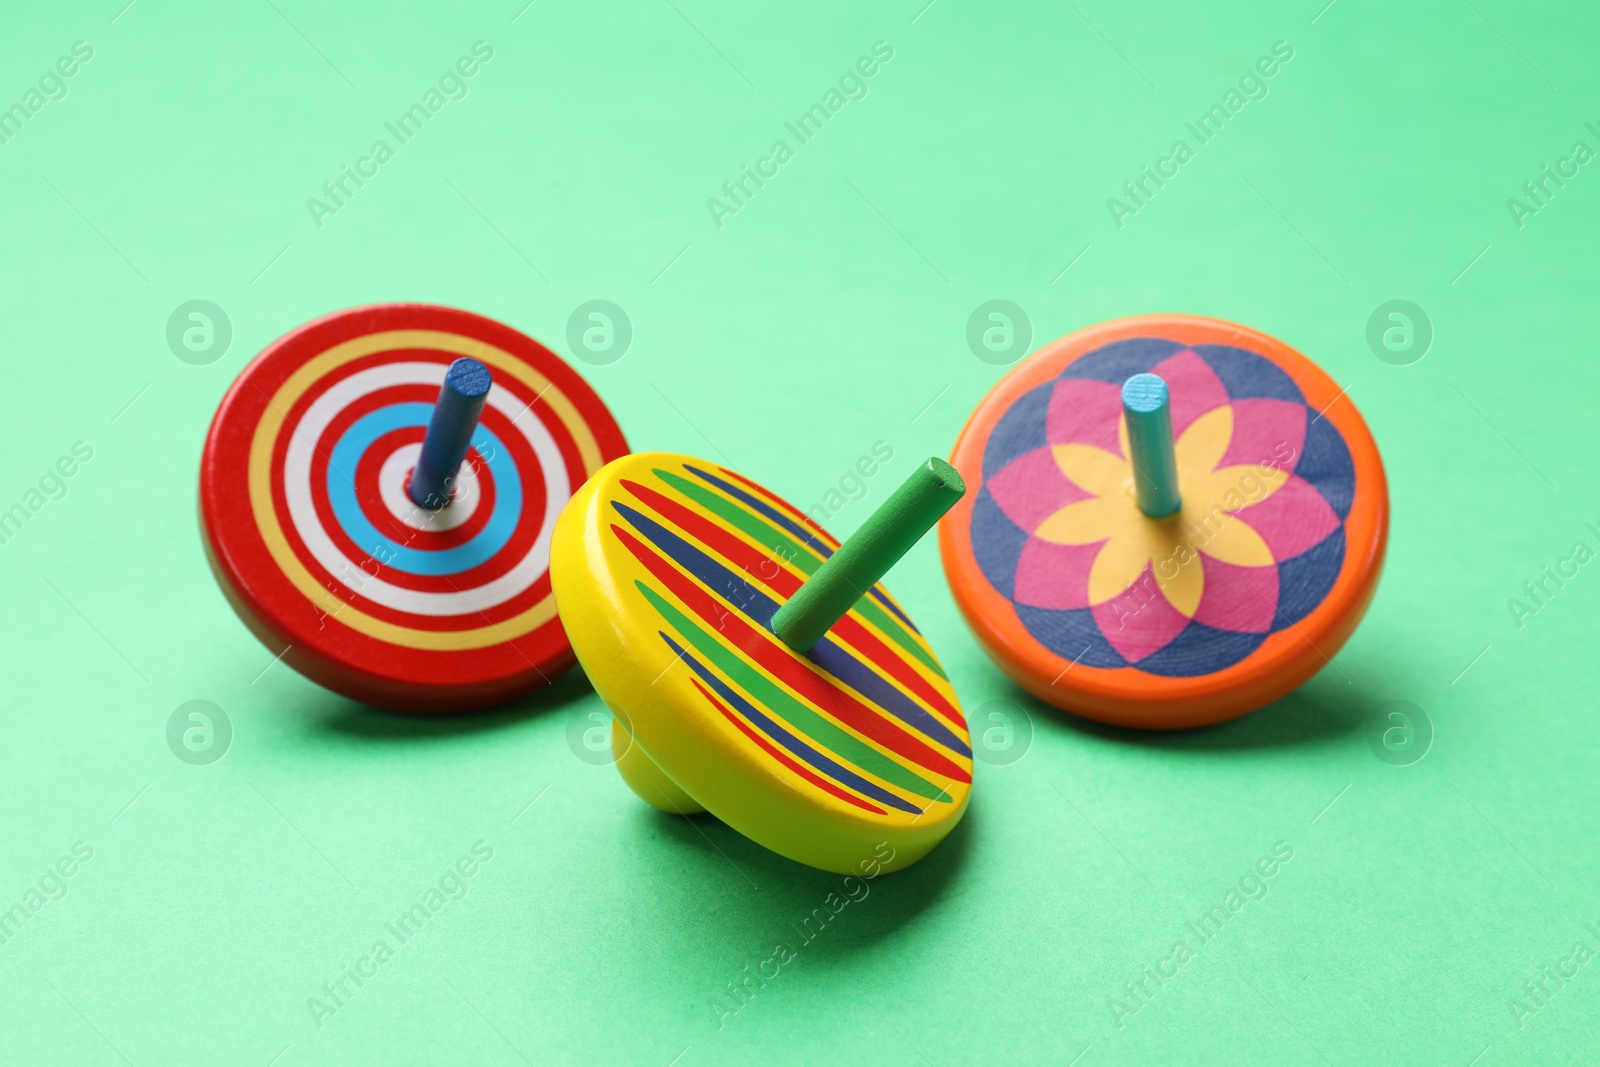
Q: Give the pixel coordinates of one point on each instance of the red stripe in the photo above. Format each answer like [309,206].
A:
[370,497]
[524,534]
[361,566]
[784,583]
[769,749]
[767,652]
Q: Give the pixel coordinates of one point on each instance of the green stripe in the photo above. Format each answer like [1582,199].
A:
[776,540]
[808,722]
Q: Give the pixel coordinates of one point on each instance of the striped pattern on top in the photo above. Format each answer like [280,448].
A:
[866,717]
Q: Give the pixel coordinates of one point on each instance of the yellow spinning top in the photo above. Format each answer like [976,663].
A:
[836,744]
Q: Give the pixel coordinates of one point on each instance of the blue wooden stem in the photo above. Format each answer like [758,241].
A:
[1146,407]
[455,419]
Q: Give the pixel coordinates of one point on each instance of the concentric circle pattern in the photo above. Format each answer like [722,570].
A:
[303,494]
[1241,595]
[1257,544]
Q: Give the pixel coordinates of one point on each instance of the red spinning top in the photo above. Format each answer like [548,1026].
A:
[319,546]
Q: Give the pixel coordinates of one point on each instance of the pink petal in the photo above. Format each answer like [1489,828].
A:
[1266,432]
[1140,621]
[1054,576]
[1031,488]
[1194,387]
[1291,520]
[1238,599]
[1085,412]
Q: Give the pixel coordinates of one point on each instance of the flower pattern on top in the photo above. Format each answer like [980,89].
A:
[1259,540]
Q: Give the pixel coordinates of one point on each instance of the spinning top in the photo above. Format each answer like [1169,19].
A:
[1176,520]
[756,668]
[377,496]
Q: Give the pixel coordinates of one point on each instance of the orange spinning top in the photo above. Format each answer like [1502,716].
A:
[1203,612]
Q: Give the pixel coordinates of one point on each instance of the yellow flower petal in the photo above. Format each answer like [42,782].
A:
[1170,547]
[1180,577]
[1117,567]
[1254,483]
[1233,488]
[1083,523]
[1094,469]
[1204,443]
[1226,537]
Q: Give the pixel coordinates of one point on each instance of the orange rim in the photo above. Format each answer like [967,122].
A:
[1129,696]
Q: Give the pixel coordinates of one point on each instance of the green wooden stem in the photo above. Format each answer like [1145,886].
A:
[911,511]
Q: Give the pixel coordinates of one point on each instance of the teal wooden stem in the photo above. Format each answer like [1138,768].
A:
[1155,461]
[911,511]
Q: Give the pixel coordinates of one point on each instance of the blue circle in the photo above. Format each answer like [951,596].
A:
[490,540]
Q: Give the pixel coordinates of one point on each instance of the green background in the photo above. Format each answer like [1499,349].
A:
[828,314]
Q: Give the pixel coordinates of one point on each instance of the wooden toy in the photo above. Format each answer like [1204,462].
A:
[1175,520]
[756,668]
[425,591]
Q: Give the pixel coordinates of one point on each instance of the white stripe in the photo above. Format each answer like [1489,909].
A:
[392,489]
[302,512]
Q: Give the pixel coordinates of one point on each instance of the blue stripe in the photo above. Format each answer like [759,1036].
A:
[795,528]
[796,747]
[837,661]
[483,546]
